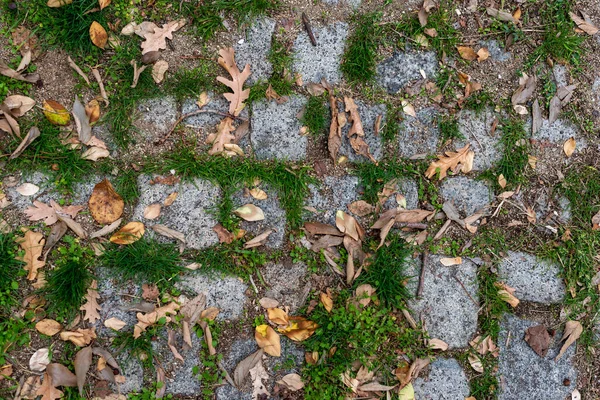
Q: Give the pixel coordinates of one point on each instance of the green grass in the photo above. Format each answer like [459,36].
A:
[374,177]
[144,261]
[231,259]
[448,126]
[67,284]
[280,80]
[389,131]
[478,101]
[387,272]
[360,56]
[125,183]
[316,116]
[514,145]
[186,83]
[290,181]
[140,347]
[11,270]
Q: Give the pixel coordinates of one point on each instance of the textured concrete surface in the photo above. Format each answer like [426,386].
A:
[334,193]
[560,131]
[274,216]
[450,301]
[180,378]
[314,63]
[254,50]
[368,115]
[286,283]
[533,279]
[525,375]
[446,381]
[476,128]
[154,118]
[190,214]
[276,130]
[419,135]
[404,67]
[497,51]
[352,3]
[469,195]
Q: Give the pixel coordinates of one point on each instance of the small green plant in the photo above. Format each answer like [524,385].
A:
[448,126]
[316,116]
[67,284]
[391,127]
[360,57]
[374,177]
[125,183]
[280,80]
[140,347]
[478,101]
[231,259]
[189,83]
[149,393]
[145,260]
[11,270]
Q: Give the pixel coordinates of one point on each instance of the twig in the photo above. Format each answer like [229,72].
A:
[101,84]
[409,318]
[465,289]
[422,274]
[411,225]
[227,377]
[185,116]
[308,28]
[253,285]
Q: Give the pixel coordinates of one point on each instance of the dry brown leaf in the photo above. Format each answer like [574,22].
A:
[91,306]
[258,374]
[223,140]
[348,225]
[334,141]
[437,344]
[159,69]
[484,346]
[501,15]
[152,211]
[98,35]
[58,3]
[107,229]
[326,301]
[106,206]
[11,73]
[27,189]
[239,95]
[258,240]
[524,91]
[268,340]
[171,199]
[538,339]
[319,228]
[250,212]
[156,39]
[151,318]
[94,153]
[448,262]
[292,382]
[92,110]
[278,316]
[171,344]
[47,389]
[569,147]
[32,244]
[115,323]
[258,194]
[6,371]
[467,53]
[168,232]
[299,329]
[103,4]
[130,233]
[573,329]
[361,208]
[460,159]
[502,181]
[18,105]
[356,132]
[506,293]
[39,360]
[483,54]
[582,24]
[48,327]
[243,368]
[33,134]
[80,337]
[475,363]
[82,364]
[150,291]
[363,294]
[223,234]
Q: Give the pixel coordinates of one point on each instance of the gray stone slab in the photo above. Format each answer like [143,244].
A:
[114,303]
[180,376]
[420,135]
[368,115]
[205,121]
[561,75]
[254,49]
[314,63]
[448,309]
[226,293]
[286,283]
[560,131]
[404,67]
[352,3]
[497,52]
[476,128]
[549,208]
[468,195]
[533,279]
[155,117]
[276,130]
[525,375]
[133,372]
[446,381]
[192,213]
[274,216]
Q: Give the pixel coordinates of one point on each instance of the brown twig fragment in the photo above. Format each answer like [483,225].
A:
[96,74]
[422,274]
[308,28]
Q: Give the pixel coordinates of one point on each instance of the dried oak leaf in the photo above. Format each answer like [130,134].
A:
[356,132]
[91,306]
[453,160]
[156,39]
[538,338]
[106,206]
[151,318]
[32,243]
[223,141]
[239,95]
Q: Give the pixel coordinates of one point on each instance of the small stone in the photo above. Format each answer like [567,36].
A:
[469,195]
[446,380]
[533,279]
[404,67]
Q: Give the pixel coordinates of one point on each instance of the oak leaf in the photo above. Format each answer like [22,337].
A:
[461,159]
[223,140]
[356,132]
[573,329]
[156,39]
[151,318]
[91,307]
[33,244]
[584,23]
[239,95]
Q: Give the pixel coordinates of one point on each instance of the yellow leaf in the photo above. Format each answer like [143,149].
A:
[128,234]
[56,113]
[467,53]
[326,301]
[407,393]
[268,340]
[569,147]
[299,329]
[98,35]
[92,110]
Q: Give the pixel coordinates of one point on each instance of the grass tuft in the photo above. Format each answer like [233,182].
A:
[316,116]
[231,259]
[360,57]
[11,270]
[448,126]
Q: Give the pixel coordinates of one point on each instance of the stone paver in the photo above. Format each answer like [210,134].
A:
[254,50]
[446,381]
[558,132]
[404,67]
[154,118]
[420,135]
[190,214]
[352,3]
[468,195]
[334,193]
[450,302]
[286,283]
[497,52]
[274,216]
[476,128]
[276,130]
[525,375]
[180,378]
[314,63]
[368,116]
[533,279]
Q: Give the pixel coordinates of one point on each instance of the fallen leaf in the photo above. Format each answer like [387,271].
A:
[80,337]
[319,228]
[506,293]
[32,244]
[82,364]
[223,140]
[103,4]
[501,15]
[569,147]
[475,363]
[115,323]
[18,105]
[582,24]
[408,109]
[33,134]
[407,392]
[257,374]
[299,329]
[524,91]
[27,189]
[92,110]
[356,132]
[107,229]
[573,330]
[484,346]
[554,109]
[375,387]
[239,95]
[460,160]
[106,206]
[98,35]
[11,73]
[258,194]
[48,327]
[168,232]
[467,53]
[575,395]
[161,387]
[243,368]
[292,382]
[159,69]
[258,240]
[223,234]
[502,181]
[447,262]
[95,153]
[47,389]
[137,72]
[157,39]
[348,225]
[171,344]
[278,316]
[538,339]
[437,344]
[268,340]
[130,233]
[171,199]
[82,123]
[58,3]
[91,306]
[151,318]
[250,212]
[483,54]
[326,301]
[6,371]
[152,211]
[39,360]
